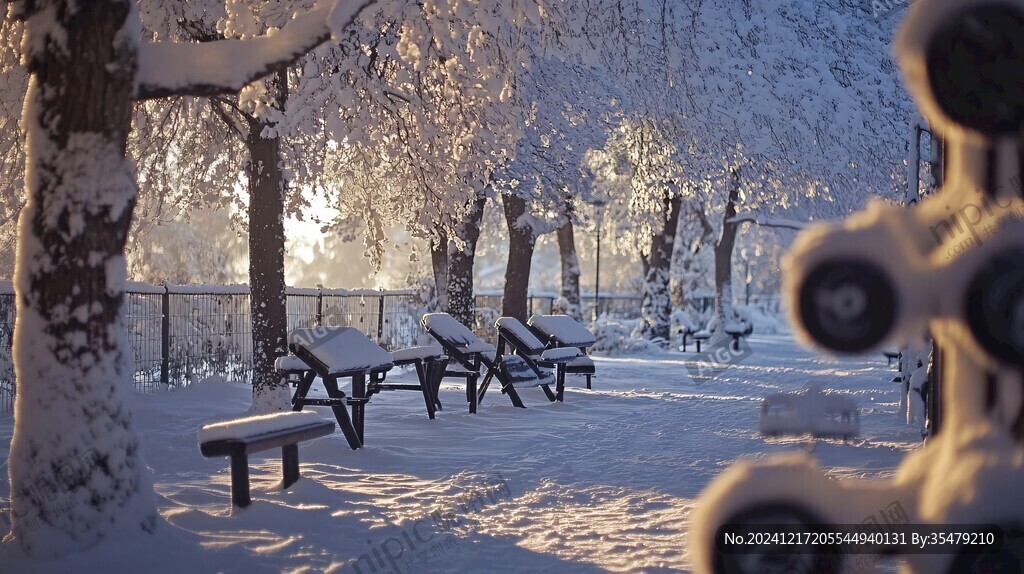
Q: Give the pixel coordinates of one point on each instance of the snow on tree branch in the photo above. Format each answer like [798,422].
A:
[226,66]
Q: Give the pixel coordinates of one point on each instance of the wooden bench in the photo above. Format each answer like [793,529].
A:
[891,356]
[239,438]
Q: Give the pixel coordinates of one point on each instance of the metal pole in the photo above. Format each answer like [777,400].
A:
[380,318]
[597,274]
[165,338]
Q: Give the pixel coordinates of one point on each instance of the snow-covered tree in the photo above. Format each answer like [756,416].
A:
[783,109]
[87,67]
[429,123]
[568,108]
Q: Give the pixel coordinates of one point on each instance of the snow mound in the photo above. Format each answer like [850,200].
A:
[615,337]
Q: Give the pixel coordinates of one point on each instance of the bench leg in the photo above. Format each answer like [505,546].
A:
[424,372]
[482,387]
[341,414]
[560,382]
[698,345]
[736,344]
[302,389]
[513,395]
[588,382]
[471,393]
[359,407]
[290,463]
[549,393]
[492,373]
[240,479]
[439,369]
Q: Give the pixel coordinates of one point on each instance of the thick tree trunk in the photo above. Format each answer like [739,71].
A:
[461,301]
[439,261]
[570,268]
[656,304]
[723,255]
[267,299]
[521,241]
[76,476]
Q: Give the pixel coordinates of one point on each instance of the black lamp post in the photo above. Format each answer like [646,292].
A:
[599,205]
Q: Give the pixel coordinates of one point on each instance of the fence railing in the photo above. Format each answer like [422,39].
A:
[182,334]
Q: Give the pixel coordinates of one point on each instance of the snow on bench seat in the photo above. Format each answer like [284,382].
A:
[290,363]
[242,428]
[565,330]
[413,353]
[458,335]
[341,349]
[560,354]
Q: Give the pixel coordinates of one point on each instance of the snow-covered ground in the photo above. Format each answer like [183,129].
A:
[603,482]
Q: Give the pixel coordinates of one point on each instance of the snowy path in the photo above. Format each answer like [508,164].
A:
[603,482]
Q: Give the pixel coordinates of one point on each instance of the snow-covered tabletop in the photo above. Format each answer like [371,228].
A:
[516,328]
[257,425]
[444,327]
[341,349]
[565,330]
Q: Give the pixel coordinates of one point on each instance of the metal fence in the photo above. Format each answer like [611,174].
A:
[6,341]
[182,334]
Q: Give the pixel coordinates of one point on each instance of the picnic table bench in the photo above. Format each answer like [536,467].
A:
[537,356]
[344,352]
[239,438]
[562,331]
[468,354]
[737,331]
[332,353]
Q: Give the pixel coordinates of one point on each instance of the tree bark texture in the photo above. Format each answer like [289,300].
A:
[521,242]
[723,254]
[461,300]
[570,261]
[267,299]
